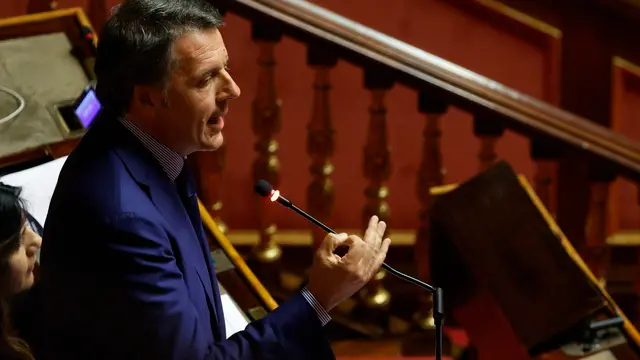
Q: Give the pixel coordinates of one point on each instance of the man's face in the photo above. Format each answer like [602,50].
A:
[196,100]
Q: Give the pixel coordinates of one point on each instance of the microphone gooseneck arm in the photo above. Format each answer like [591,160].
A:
[264,188]
[286,203]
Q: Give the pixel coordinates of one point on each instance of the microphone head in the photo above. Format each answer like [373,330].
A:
[263,188]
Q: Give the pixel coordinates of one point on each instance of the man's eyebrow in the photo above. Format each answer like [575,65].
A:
[210,71]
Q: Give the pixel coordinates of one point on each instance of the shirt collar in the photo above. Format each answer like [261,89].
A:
[170,161]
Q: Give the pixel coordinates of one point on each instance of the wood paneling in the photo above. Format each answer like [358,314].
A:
[549,40]
[534,31]
[625,118]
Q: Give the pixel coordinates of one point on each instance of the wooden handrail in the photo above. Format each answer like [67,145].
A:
[421,70]
[236,259]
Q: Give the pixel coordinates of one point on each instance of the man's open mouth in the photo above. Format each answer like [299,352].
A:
[217,121]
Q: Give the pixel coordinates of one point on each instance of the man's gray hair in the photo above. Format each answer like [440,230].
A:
[135,45]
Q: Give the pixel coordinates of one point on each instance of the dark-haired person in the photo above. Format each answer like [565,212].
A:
[126,269]
[18,247]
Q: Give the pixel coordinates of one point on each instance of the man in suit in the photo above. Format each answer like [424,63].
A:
[126,270]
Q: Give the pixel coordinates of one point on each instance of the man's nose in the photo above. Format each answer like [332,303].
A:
[230,91]
[235,90]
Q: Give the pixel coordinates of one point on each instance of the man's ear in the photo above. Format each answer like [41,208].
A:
[144,97]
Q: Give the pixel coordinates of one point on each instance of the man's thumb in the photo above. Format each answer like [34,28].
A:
[333,241]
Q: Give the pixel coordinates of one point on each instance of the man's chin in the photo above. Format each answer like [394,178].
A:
[212,143]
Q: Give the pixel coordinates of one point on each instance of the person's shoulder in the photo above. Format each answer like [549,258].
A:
[93,183]
[95,196]
[88,170]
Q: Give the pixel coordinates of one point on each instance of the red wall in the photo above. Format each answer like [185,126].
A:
[432,25]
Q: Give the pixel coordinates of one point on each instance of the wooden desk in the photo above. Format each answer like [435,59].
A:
[46,59]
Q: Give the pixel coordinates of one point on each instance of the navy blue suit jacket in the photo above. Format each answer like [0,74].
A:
[126,271]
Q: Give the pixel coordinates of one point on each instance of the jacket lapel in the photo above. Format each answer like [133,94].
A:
[194,215]
[163,193]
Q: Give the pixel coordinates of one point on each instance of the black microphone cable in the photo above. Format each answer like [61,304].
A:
[264,188]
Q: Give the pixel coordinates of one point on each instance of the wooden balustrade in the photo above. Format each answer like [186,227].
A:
[208,167]
[320,140]
[464,89]
[554,133]
[377,170]
[266,124]
[430,174]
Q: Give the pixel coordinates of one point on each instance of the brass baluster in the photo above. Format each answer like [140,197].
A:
[377,169]
[597,253]
[546,154]
[489,131]
[208,167]
[430,174]
[266,124]
[320,141]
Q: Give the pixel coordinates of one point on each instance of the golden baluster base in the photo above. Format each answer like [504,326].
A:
[270,251]
[291,282]
[215,209]
[372,304]
[374,295]
[265,259]
[221,225]
[423,318]
[603,282]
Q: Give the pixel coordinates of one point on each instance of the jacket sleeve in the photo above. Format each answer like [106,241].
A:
[146,308]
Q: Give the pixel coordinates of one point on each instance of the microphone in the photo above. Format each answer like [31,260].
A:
[265,189]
